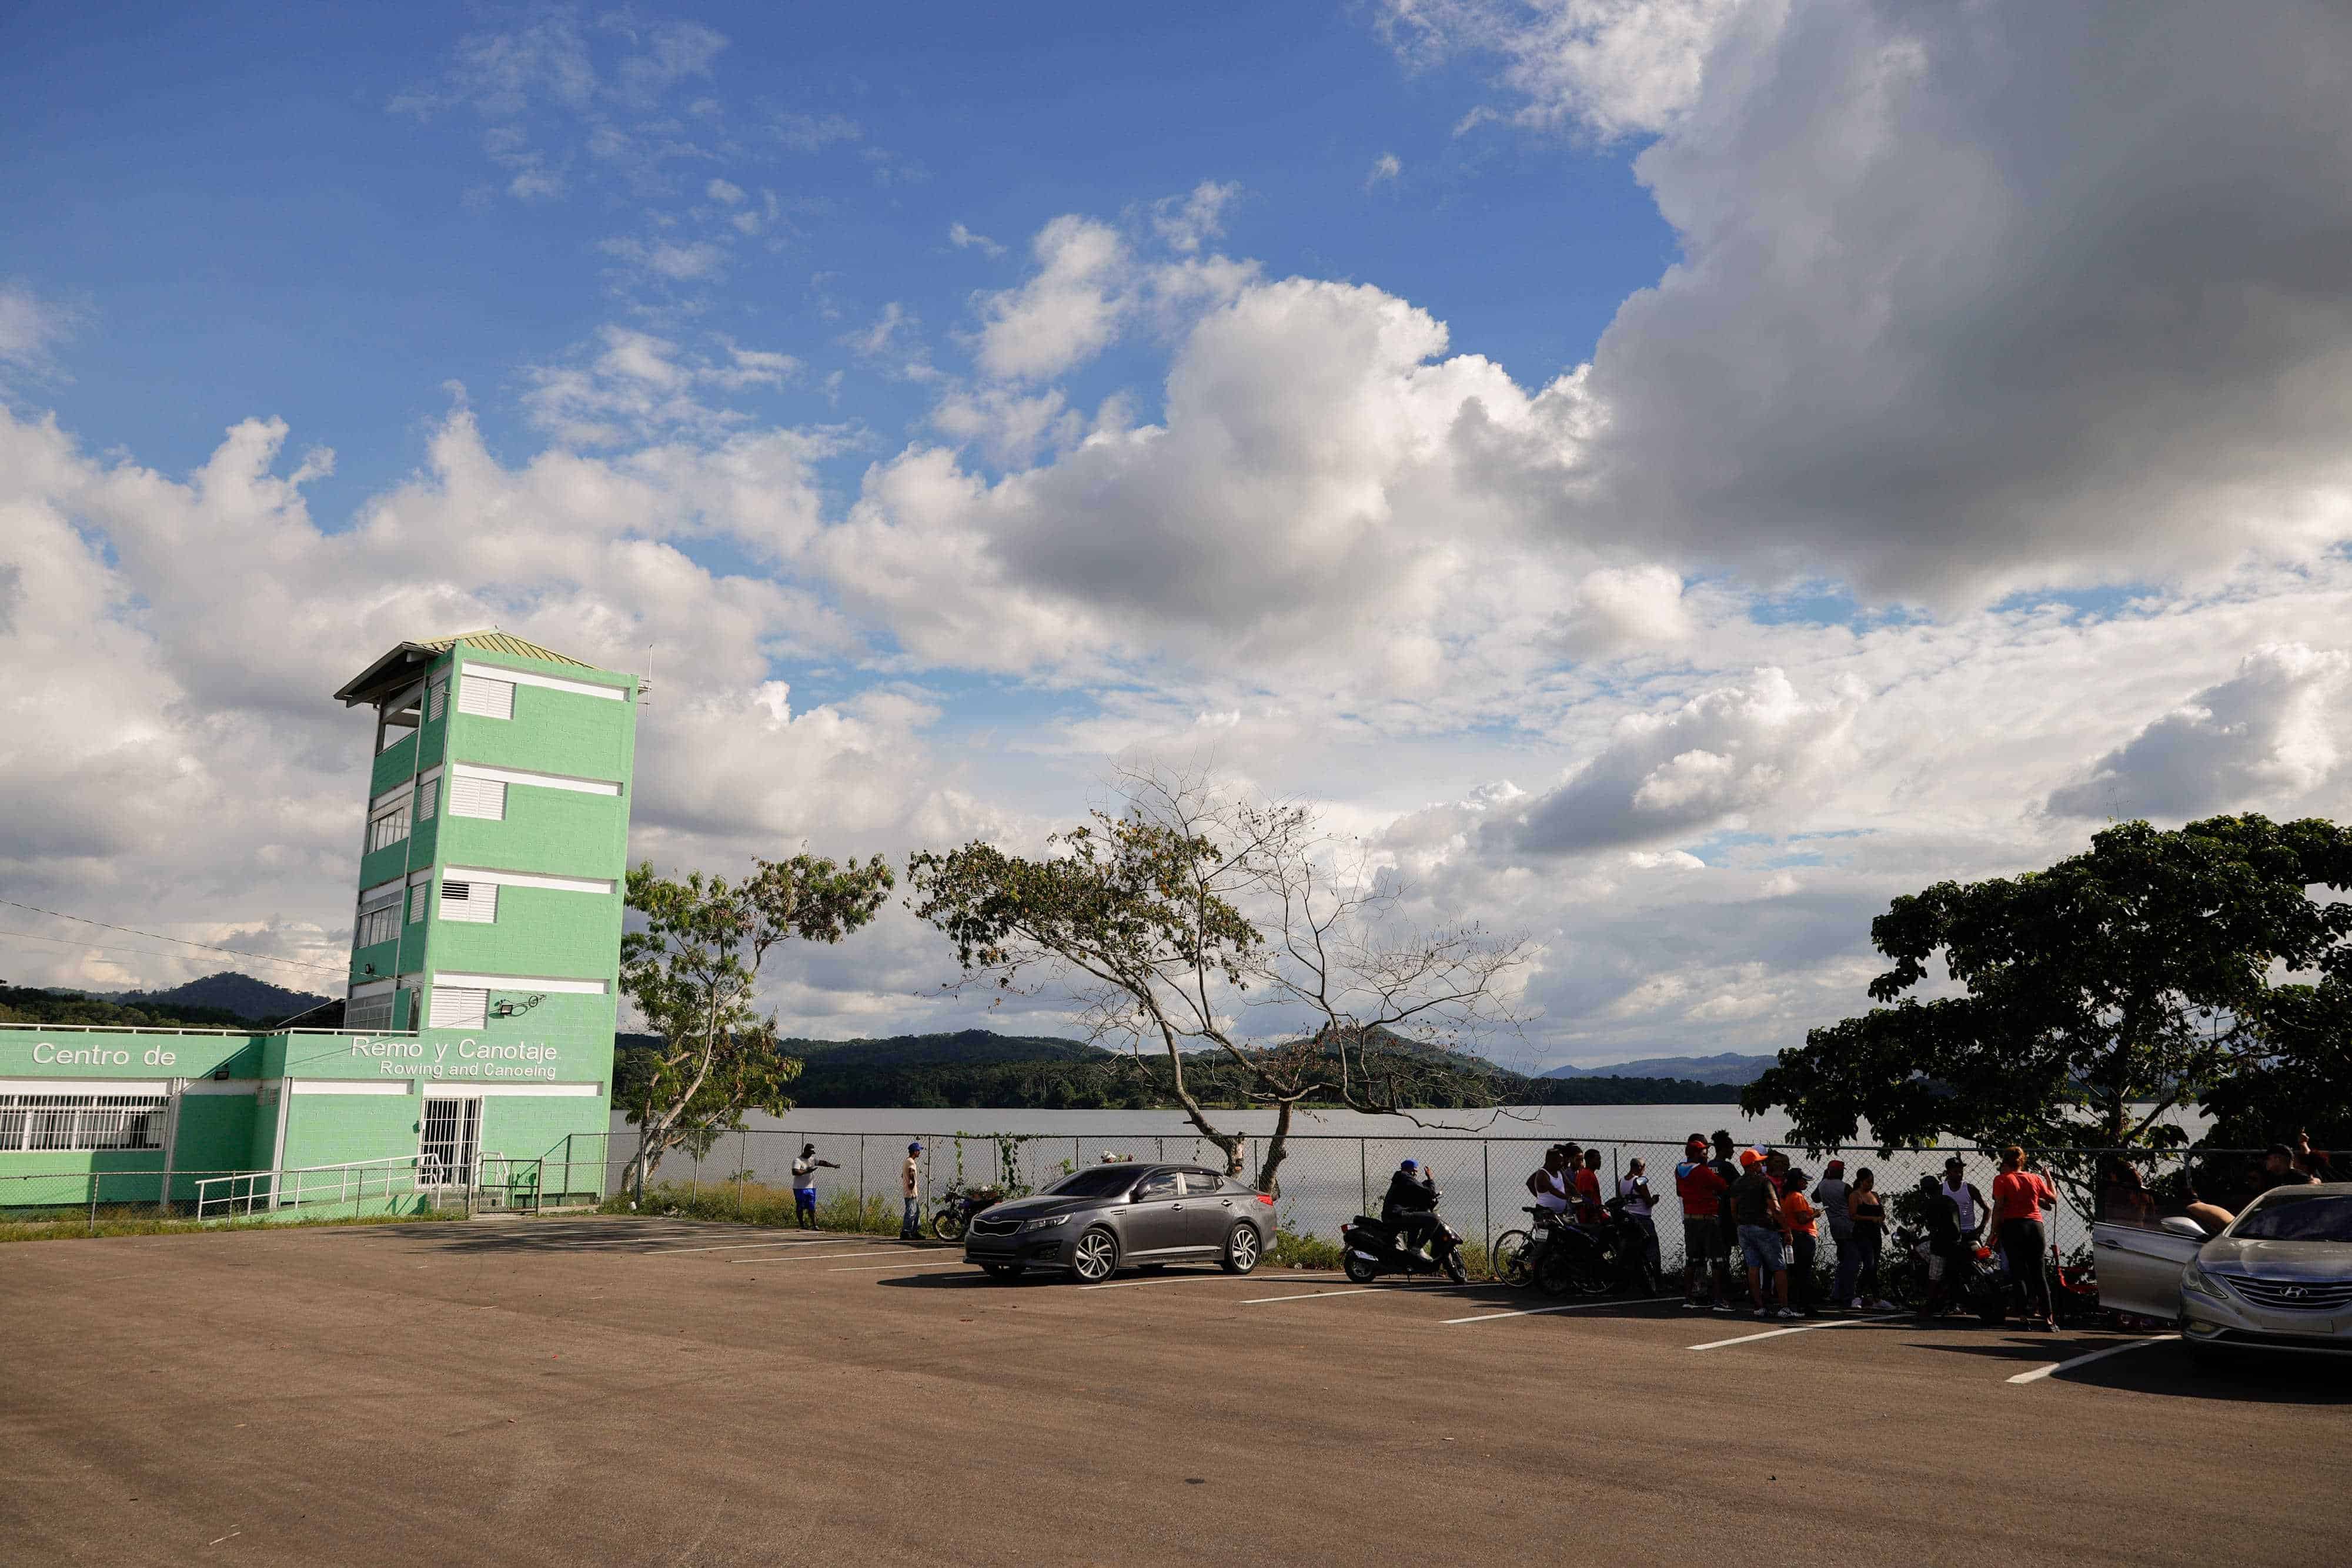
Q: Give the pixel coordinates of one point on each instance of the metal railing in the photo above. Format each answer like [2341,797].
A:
[221,1197]
[255,1033]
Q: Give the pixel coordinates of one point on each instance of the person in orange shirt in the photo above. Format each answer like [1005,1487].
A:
[1803,1223]
[2019,1196]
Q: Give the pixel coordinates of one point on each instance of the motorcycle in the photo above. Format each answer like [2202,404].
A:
[1626,1242]
[1370,1247]
[1981,1290]
[953,1217]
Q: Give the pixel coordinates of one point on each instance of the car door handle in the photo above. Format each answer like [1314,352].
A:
[1175,1205]
[1224,1203]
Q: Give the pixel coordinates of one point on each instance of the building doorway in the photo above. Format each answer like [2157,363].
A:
[453,1135]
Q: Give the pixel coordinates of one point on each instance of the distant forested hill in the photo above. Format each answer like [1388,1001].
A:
[980,1070]
[26,1004]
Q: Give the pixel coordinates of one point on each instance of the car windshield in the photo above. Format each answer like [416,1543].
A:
[2293,1216]
[1094,1181]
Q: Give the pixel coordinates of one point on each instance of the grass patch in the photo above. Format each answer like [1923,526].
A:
[756,1202]
[76,1225]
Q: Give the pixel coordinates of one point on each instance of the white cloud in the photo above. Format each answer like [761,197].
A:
[680,261]
[2264,740]
[31,328]
[814,132]
[1680,773]
[1188,221]
[1612,67]
[1068,313]
[960,236]
[724,191]
[638,387]
[1385,170]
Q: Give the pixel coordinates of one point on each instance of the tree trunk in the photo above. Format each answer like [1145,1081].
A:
[1277,1147]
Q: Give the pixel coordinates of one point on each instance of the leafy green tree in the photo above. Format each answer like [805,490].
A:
[2091,1000]
[692,972]
[1172,922]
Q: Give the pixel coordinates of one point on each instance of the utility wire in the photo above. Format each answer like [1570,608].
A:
[158,936]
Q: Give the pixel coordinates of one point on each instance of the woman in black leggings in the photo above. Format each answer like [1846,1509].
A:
[1869,1214]
[2019,1196]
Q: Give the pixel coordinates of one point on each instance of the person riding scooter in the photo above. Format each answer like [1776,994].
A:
[1409,1206]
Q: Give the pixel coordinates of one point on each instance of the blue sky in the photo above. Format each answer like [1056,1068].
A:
[1660,477]
[254,224]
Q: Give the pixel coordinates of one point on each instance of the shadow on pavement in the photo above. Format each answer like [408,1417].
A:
[2166,1369]
[613,1237]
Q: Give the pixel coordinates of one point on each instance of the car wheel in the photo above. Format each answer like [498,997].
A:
[1242,1249]
[1359,1270]
[1001,1270]
[1095,1258]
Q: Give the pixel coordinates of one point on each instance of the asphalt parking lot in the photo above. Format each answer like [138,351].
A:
[598,1391]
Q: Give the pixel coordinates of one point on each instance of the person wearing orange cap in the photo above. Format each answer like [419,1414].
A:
[1756,1203]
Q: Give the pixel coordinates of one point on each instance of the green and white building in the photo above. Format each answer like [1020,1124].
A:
[477,1047]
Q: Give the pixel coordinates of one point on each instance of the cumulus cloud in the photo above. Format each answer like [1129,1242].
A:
[1727,752]
[1066,314]
[2263,740]
[1188,221]
[1385,170]
[1946,323]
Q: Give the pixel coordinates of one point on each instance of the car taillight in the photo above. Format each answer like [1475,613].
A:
[1266,1198]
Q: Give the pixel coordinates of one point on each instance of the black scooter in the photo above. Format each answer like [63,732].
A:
[1370,1248]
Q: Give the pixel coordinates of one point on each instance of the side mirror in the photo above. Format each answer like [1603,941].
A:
[2182,1225]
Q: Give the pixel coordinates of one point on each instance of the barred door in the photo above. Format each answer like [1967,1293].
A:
[453,1130]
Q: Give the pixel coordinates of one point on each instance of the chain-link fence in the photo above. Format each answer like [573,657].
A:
[1323,1180]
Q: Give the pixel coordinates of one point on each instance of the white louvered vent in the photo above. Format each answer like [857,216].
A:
[471,797]
[429,797]
[474,901]
[438,701]
[455,1007]
[484,698]
[417,900]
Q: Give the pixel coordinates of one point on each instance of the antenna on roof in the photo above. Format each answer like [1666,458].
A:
[646,681]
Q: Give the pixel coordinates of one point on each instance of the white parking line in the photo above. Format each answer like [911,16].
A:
[1800,1328]
[1570,1307]
[1359,1291]
[2039,1373]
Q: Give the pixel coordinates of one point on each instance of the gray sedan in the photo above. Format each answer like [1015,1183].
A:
[2278,1278]
[1096,1221]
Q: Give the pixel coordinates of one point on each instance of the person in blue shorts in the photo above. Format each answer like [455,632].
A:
[805,1171]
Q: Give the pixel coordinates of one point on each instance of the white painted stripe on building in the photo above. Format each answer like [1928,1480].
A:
[429,775]
[346,1086]
[553,683]
[472,873]
[446,1089]
[391,797]
[555,985]
[543,780]
[221,1086]
[84,1086]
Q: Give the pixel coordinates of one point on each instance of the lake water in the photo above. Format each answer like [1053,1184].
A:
[1339,1160]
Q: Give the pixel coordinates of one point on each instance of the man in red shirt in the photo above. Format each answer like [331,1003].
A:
[1588,1190]
[1701,1189]
[2019,1196]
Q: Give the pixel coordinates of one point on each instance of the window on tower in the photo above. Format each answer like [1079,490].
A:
[389,824]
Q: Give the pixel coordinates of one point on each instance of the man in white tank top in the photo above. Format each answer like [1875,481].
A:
[1549,1185]
[1966,1198]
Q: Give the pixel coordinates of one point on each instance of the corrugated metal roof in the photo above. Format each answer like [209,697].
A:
[496,642]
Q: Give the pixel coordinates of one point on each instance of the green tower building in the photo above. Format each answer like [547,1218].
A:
[477,1045]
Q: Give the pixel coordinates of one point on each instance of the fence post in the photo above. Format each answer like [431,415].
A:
[742,1166]
[95,1177]
[1486,1194]
[1363,1180]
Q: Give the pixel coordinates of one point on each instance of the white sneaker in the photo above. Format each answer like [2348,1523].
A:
[1785,1312]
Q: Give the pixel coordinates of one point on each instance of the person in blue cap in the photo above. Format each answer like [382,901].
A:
[910,1187]
[1410,1205]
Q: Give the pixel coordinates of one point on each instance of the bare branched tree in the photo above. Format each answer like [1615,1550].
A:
[1190,914]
